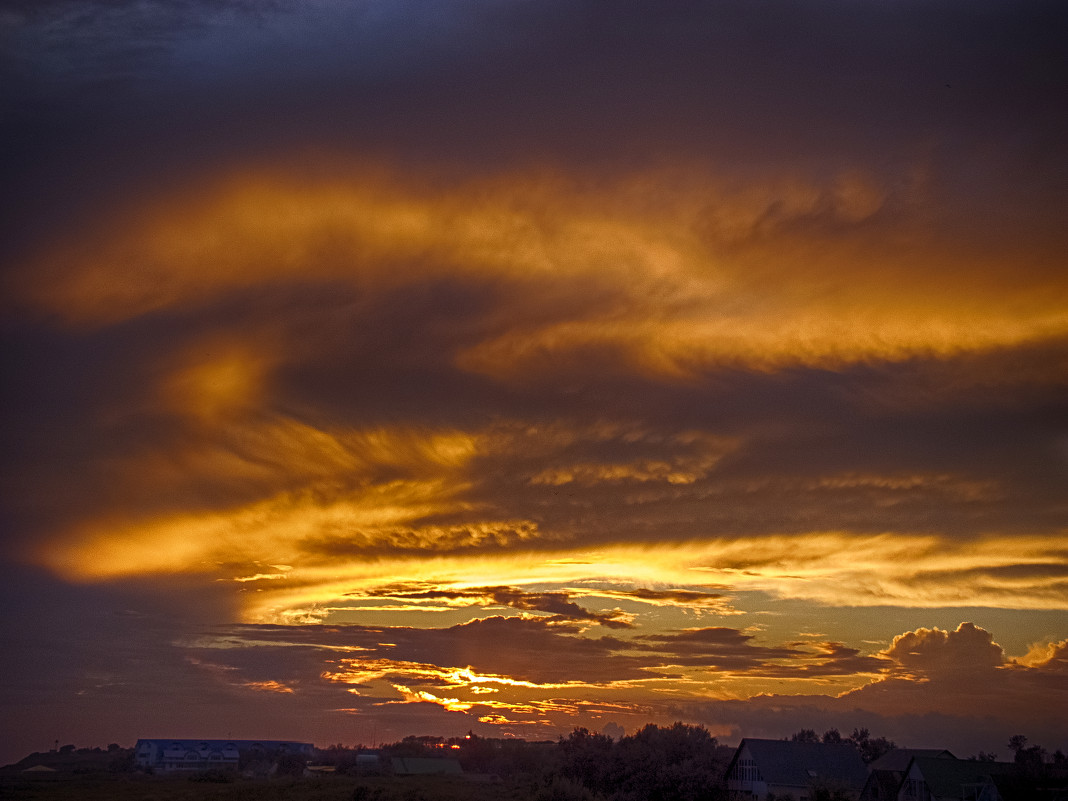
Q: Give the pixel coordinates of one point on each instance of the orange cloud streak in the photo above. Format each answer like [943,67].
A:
[700,272]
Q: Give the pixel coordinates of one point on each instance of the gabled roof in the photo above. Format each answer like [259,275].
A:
[888,771]
[882,784]
[899,758]
[796,764]
[944,777]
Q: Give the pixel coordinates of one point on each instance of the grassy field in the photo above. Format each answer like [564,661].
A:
[325,788]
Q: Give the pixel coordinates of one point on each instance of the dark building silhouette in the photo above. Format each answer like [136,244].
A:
[888,771]
[168,755]
[764,768]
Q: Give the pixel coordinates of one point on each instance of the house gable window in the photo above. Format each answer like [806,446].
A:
[914,788]
[745,770]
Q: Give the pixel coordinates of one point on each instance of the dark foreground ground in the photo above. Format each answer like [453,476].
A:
[325,788]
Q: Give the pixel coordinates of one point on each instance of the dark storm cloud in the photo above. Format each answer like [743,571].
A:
[729,649]
[719,647]
[681,597]
[966,464]
[521,646]
[571,81]
[819,446]
[517,648]
[554,603]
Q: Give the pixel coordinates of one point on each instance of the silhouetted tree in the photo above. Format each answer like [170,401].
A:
[674,763]
[122,760]
[832,736]
[805,736]
[414,746]
[870,748]
[584,757]
[1031,758]
[342,757]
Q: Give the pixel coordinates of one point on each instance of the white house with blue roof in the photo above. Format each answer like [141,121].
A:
[169,755]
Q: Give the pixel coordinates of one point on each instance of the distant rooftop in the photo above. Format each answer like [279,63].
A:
[181,754]
[792,763]
[899,758]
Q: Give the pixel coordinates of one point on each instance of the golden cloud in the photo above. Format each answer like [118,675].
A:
[690,270]
[835,568]
[276,529]
[269,686]
[216,381]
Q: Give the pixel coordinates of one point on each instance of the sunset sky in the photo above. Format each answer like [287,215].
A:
[387,367]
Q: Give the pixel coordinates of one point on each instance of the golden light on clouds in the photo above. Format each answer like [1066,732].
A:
[832,568]
[689,273]
[327,545]
[201,543]
[217,381]
[269,686]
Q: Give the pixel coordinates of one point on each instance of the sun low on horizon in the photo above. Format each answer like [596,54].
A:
[376,369]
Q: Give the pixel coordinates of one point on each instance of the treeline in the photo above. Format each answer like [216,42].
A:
[671,763]
[870,748]
[674,763]
[1031,756]
[657,763]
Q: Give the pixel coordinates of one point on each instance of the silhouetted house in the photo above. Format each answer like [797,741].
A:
[899,758]
[425,766]
[888,771]
[934,779]
[168,756]
[764,768]
[1047,785]
[882,785]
